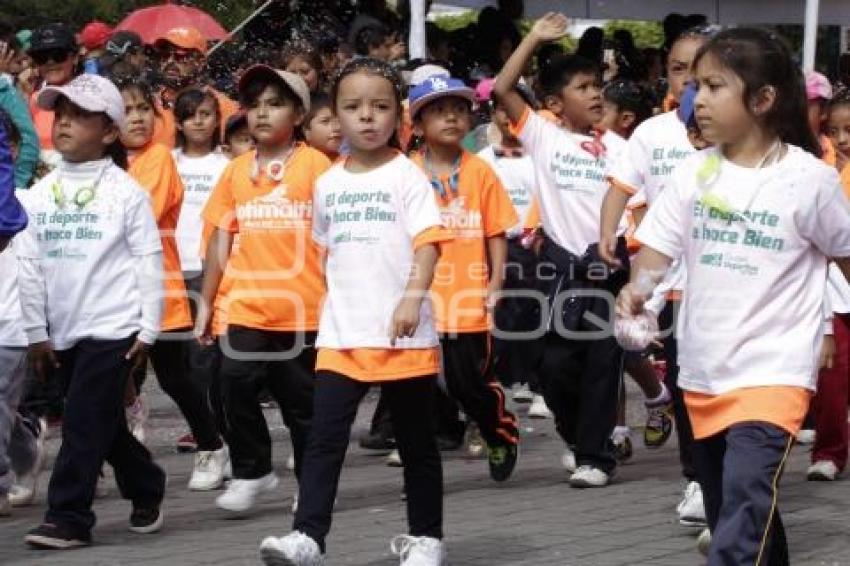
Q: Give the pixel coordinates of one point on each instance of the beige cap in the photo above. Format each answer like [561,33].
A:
[291,80]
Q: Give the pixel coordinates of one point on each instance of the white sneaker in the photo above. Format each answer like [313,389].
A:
[475,445]
[691,509]
[418,551]
[522,394]
[290,462]
[822,470]
[5,506]
[394,459]
[137,418]
[568,460]
[588,476]
[294,549]
[806,436]
[22,493]
[538,409]
[704,541]
[242,494]
[208,473]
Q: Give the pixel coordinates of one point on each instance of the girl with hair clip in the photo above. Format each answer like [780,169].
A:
[378,222]
[153,168]
[304,60]
[91,299]
[755,220]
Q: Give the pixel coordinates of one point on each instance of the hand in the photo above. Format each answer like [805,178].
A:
[7,55]
[550,27]
[608,250]
[630,302]
[138,356]
[203,320]
[494,297]
[405,318]
[42,358]
[827,352]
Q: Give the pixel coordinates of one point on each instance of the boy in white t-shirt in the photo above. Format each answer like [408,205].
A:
[581,366]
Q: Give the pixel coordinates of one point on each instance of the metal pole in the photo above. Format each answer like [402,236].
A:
[417,41]
[241,25]
[810,34]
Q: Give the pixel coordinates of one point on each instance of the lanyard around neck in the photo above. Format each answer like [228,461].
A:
[82,196]
[436,182]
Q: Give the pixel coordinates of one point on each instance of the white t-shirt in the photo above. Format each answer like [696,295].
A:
[517,175]
[11,325]
[571,180]
[753,311]
[199,175]
[89,248]
[653,152]
[838,290]
[368,222]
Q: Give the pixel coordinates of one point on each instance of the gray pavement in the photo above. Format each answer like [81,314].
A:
[533,519]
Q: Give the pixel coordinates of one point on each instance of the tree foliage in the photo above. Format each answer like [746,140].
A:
[646,34]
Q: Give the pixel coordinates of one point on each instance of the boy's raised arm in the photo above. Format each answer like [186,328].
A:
[550,27]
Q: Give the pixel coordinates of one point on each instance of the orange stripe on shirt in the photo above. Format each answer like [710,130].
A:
[375,365]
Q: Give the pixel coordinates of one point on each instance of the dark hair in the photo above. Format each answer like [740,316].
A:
[631,96]
[561,70]
[234,124]
[140,85]
[375,67]
[306,51]
[761,59]
[840,98]
[186,105]
[318,101]
[252,91]
[369,37]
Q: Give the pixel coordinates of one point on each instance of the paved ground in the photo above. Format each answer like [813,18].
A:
[534,519]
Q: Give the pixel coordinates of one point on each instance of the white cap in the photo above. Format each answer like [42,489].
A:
[423,73]
[90,92]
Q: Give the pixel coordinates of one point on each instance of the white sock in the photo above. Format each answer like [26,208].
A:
[663,397]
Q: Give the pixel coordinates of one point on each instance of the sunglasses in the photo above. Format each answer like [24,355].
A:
[176,55]
[50,55]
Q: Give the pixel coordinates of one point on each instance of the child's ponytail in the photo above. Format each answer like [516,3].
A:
[761,59]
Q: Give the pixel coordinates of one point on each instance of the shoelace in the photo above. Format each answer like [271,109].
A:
[204,460]
[401,545]
[300,544]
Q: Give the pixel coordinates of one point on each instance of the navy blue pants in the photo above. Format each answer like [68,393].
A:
[94,430]
[739,471]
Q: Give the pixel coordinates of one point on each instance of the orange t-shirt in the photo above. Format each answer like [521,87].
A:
[481,209]
[154,169]
[845,180]
[43,122]
[780,405]
[277,282]
[380,364]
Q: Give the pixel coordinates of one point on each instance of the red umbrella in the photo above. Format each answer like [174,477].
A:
[154,22]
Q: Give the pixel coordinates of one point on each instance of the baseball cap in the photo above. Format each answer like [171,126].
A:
[817,86]
[434,88]
[52,36]
[419,74]
[95,35]
[294,82]
[123,41]
[90,92]
[185,38]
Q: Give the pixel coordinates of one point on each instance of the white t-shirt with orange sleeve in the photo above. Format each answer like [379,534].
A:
[571,172]
[368,223]
[755,244]
[517,176]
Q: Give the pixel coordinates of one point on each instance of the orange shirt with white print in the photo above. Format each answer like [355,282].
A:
[276,272]
[480,209]
[154,169]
